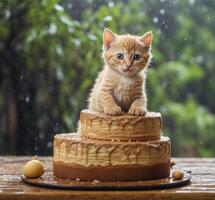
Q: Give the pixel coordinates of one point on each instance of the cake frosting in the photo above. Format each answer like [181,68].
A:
[124,127]
[113,148]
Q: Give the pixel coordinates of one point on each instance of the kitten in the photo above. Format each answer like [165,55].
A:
[120,86]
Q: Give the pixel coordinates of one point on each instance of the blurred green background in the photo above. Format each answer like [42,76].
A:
[50,54]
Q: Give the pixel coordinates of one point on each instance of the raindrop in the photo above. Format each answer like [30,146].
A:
[27,99]
[185,39]
[21,77]
[155,20]
[162,11]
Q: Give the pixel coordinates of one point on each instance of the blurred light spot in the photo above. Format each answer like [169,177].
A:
[199,59]
[32,36]
[52,29]
[162,11]
[191,2]
[159,32]
[70,30]
[58,7]
[7,14]
[155,20]
[69,5]
[77,42]
[108,18]
[60,75]
[66,20]
[92,37]
[111,4]
[27,99]
[59,50]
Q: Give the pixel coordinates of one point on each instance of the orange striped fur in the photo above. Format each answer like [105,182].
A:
[120,86]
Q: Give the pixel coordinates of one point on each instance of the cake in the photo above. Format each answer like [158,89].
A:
[113,148]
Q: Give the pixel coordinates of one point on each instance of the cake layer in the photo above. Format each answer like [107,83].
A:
[76,157]
[123,127]
[111,173]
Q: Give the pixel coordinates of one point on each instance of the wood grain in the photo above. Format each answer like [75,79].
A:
[202,186]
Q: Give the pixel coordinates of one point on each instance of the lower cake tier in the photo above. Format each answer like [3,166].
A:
[87,159]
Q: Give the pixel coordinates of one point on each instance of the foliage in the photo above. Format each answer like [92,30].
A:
[51,53]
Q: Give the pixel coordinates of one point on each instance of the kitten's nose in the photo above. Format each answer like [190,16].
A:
[129,65]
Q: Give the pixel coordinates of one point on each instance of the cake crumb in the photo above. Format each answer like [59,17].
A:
[77,179]
[95,181]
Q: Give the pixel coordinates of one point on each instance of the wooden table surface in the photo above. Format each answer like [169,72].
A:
[201,187]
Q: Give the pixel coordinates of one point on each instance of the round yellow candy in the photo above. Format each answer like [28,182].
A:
[33,169]
[177,175]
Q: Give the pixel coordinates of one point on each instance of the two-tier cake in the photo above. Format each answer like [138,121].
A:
[113,148]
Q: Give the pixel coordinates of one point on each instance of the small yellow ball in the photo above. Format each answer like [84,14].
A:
[177,175]
[33,169]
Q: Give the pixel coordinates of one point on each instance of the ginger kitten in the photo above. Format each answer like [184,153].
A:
[120,86]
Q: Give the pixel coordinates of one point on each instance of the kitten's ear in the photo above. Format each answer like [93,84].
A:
[108,38]
[147,38]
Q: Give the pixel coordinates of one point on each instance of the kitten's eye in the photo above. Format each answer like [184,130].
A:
[136,57]
[119,56]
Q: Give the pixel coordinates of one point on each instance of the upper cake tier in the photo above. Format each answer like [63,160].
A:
[123,127]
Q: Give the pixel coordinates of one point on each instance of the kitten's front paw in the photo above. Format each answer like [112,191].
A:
[112,110]
[137,110]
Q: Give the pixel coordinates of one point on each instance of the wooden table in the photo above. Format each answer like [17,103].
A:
[202,186]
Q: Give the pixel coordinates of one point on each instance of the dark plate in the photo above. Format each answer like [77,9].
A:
[48,181]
